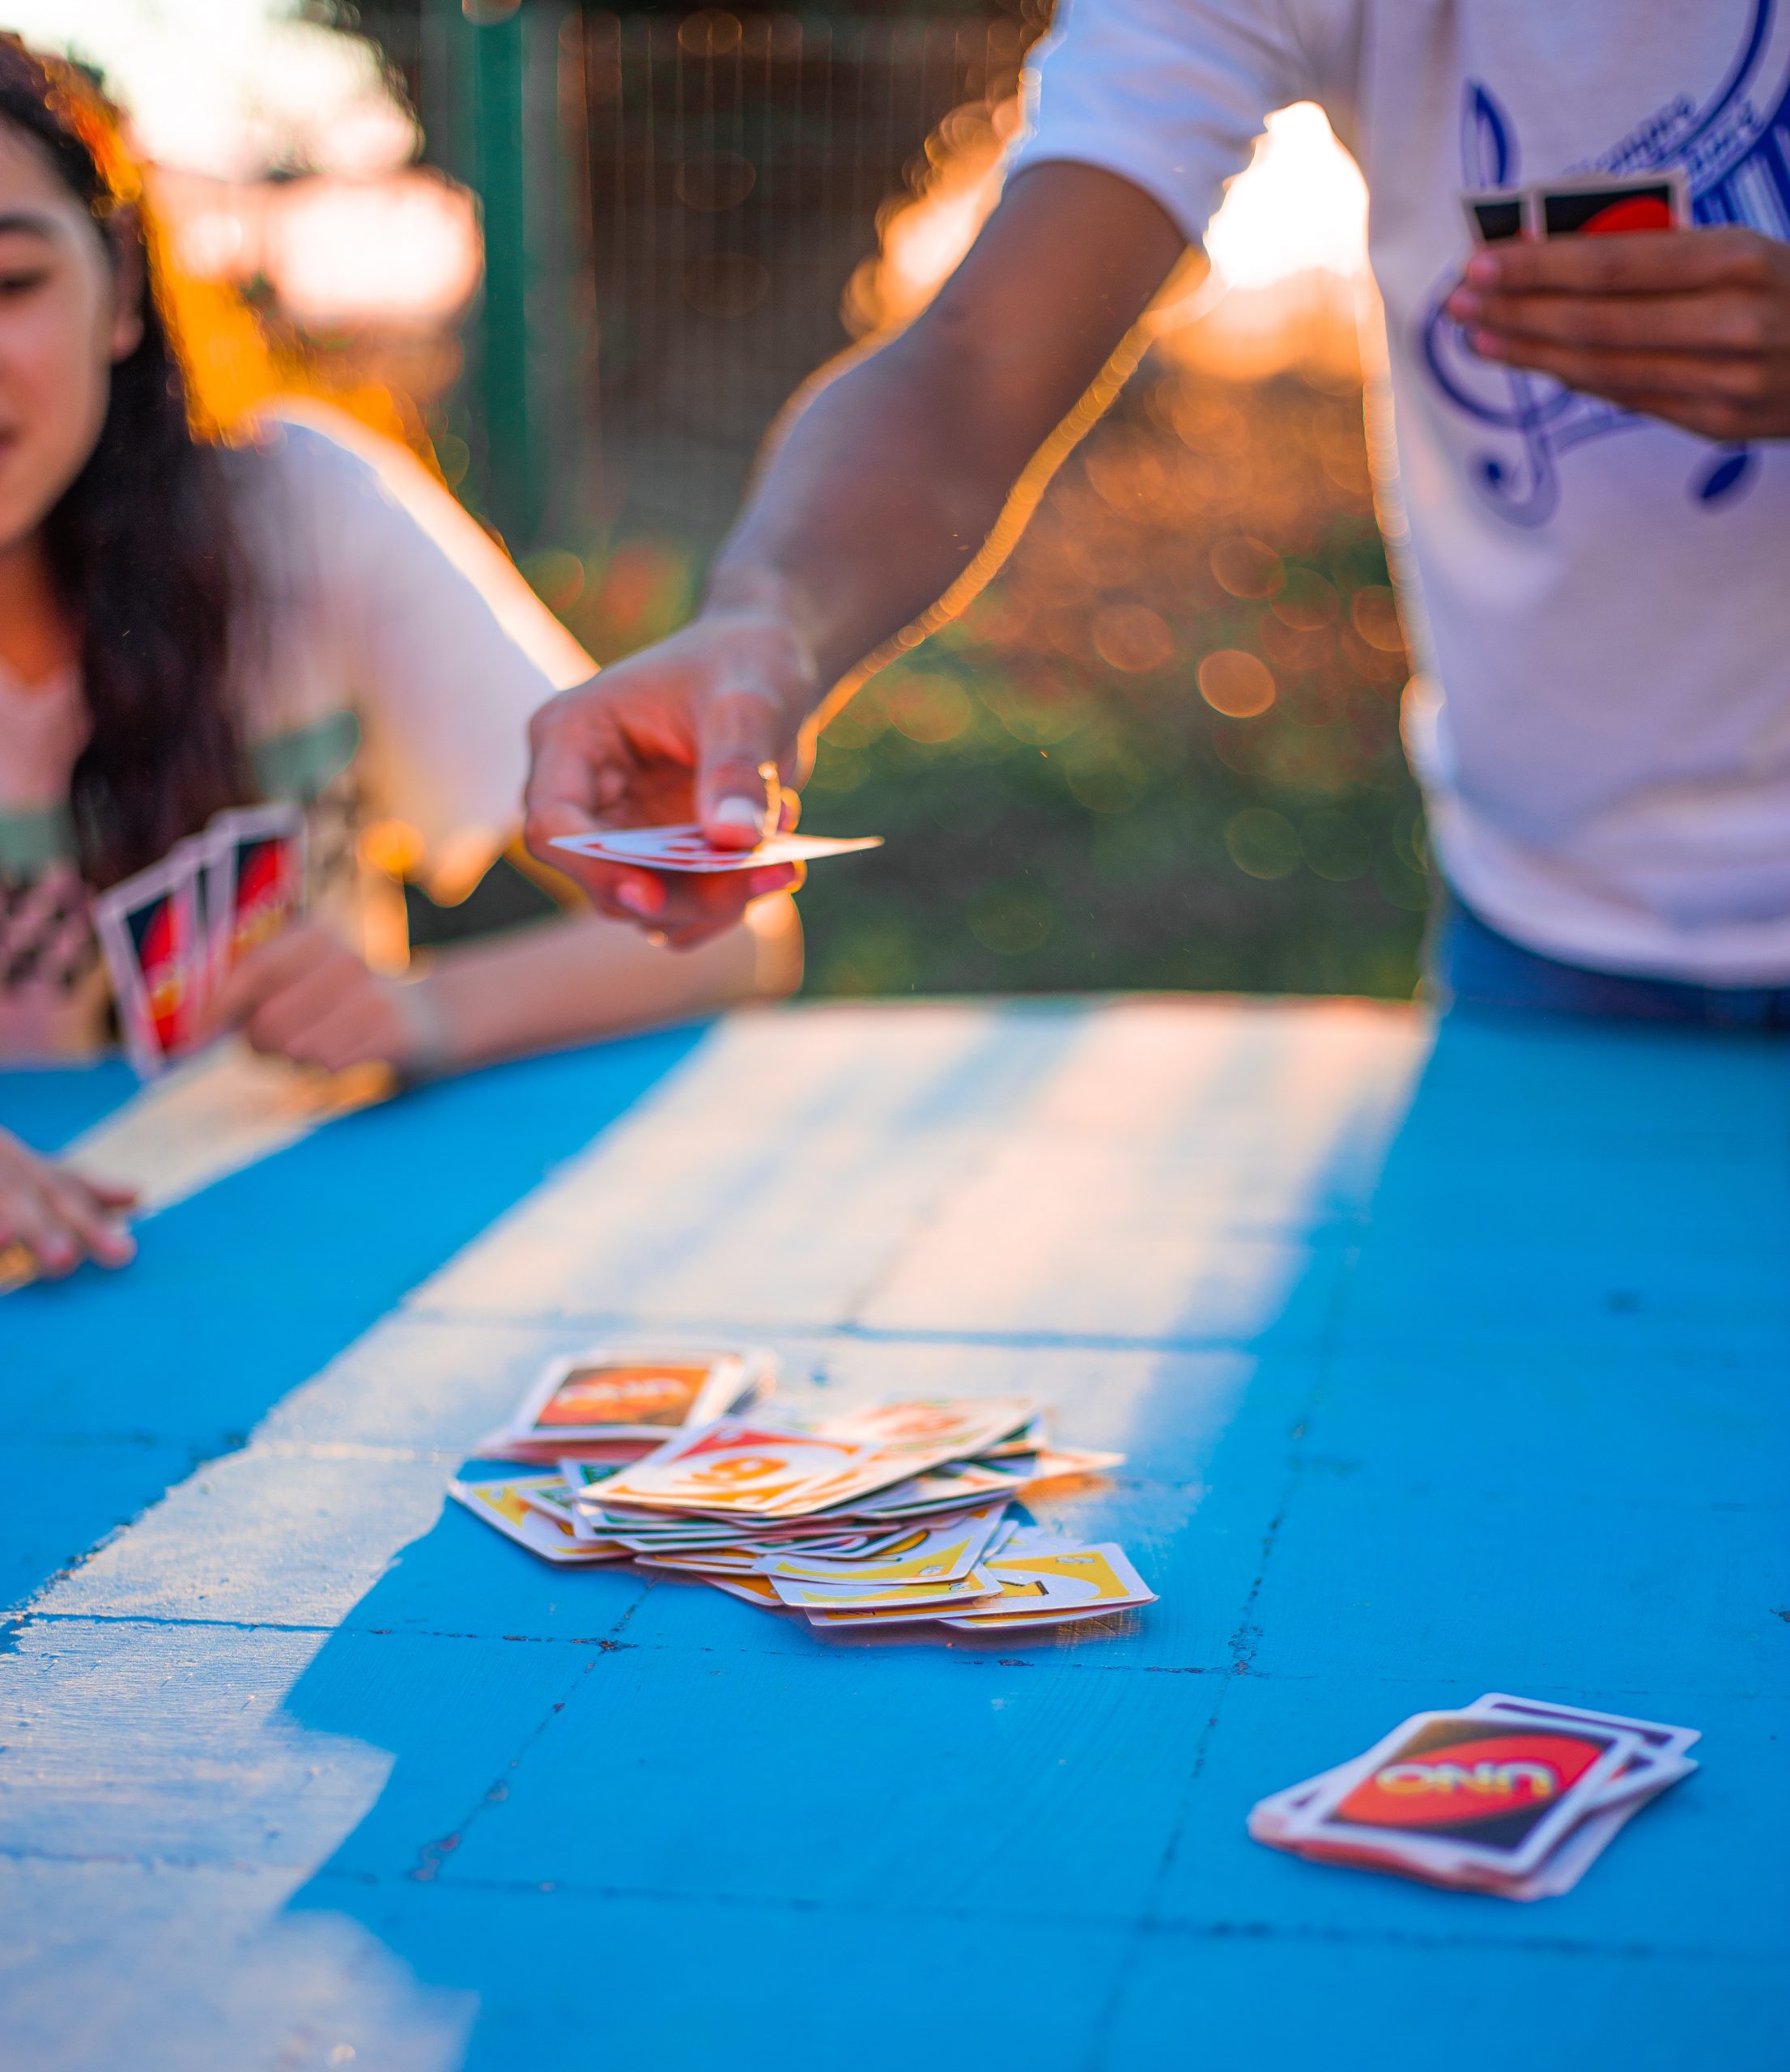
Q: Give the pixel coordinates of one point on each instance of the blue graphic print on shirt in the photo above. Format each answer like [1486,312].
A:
[1735,149]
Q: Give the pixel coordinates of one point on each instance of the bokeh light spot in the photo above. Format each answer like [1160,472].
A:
[1263,843]
[1246,567]
[1239,685]
[1131,638]
[928,708]
[1373,613]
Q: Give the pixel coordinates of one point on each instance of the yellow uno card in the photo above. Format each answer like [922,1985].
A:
[936,1554]
[1044,1580]
[503,1506]
[816,1598]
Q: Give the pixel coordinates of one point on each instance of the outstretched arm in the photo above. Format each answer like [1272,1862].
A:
[878,495]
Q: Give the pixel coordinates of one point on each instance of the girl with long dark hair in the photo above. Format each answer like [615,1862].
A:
[188,624]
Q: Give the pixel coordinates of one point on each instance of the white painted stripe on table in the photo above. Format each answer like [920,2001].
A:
[213,1115]
[959,1169]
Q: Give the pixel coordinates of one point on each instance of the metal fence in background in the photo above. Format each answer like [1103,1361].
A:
[735,165]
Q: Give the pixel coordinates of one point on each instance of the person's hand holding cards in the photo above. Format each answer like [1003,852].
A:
[303,995]
[1596,283]
[704,731]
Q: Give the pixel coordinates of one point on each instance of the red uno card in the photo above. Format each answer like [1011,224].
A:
[255,882]
[148,930]
[626,1392]
[1479,1790]
[1606,204]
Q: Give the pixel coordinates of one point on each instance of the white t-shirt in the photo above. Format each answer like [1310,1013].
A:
[388,675]
[1600,603]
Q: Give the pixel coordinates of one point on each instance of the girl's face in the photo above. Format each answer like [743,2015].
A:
[67,315]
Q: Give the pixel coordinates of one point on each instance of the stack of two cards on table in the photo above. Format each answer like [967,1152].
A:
[1595,206]
[892,1514]
[170,934]
[1513,1796]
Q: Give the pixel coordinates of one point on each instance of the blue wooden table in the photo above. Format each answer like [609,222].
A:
[1445,1361]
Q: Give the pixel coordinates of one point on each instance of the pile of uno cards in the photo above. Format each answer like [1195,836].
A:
[1591,207]
[1514,1796]
[896,1515]
[684,847]
[171,933]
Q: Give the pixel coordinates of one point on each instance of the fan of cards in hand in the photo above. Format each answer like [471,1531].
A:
[1514,1796]
[683,847]
[171,934]
[895,1514]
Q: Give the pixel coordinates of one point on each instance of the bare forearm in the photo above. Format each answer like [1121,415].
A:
[569,980]
[880,493]
[888,480]
[868,512]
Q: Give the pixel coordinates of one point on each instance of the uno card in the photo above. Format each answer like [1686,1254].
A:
[1662,1758]
[1045,1580]
[911,1601]
[624,1392]
[552,1499]
[148,932]
[681,847]
[505,1507]
[1605,204]
[922,1495]
[255,882]
[935,1555]
[736,1465]
[1498,217]
[1027,1471]
[753,1589]
[939,1427]
[1470,1790]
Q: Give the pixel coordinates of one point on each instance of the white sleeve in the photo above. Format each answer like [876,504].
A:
[1171,95]
[444,650]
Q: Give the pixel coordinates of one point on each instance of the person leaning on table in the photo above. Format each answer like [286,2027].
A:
[1589,439]
[186,626]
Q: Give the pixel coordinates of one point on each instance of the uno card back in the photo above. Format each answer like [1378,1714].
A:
[1492,1791]
[148,930]
[256,877]
[1611,204]
[1496,217]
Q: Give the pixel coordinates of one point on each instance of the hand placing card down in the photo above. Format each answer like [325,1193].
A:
[1512,1796]
[894,1515]
[682,847]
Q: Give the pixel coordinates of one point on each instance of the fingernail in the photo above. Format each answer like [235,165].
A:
[738,813]
[779,878]
[641,896]
[1483,269]
[1464,305]
[1488,344]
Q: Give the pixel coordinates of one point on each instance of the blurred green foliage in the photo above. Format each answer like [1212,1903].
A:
[1159,750]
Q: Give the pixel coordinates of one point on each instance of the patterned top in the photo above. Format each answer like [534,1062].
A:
[388,682]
